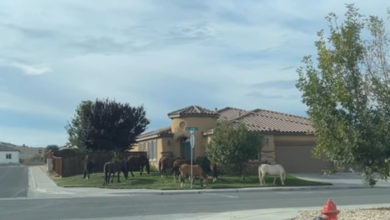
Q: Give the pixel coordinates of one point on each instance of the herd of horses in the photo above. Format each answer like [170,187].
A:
[179,168]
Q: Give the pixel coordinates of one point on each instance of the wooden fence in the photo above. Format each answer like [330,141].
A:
[69,166]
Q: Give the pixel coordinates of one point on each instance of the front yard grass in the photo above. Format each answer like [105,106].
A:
[154,181]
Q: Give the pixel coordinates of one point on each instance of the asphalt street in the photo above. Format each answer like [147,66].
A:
[134,206]
[13,181]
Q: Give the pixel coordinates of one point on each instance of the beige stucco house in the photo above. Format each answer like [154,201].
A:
[289,139]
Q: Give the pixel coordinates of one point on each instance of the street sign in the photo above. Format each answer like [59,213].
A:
[192,142]
[191,129]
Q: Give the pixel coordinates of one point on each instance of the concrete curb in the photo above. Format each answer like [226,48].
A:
[205,191]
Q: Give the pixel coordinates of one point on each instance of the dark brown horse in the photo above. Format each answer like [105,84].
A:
[88,166]
[112,168]
[165,165]
[138,164]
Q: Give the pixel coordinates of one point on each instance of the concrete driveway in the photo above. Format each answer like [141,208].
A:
[14,181]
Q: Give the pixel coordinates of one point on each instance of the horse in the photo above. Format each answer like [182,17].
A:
[176,165]
[165,165]
[112,168]
[88,166]
[273,170]
[214,172]
[197,172]
[138,164]
[208,167]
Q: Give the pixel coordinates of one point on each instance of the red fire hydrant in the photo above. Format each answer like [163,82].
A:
[330,211]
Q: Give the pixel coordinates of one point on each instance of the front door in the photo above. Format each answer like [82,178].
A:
[186,149]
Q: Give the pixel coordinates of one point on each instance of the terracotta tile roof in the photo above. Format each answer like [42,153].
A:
[162,132]
[230,113]
[261,120]
[275,122]
[192,110]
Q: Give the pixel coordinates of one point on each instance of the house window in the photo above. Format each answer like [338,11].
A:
[152,149]
[142,146]
[8,156]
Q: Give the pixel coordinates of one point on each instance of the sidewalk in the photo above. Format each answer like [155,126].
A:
[347,179]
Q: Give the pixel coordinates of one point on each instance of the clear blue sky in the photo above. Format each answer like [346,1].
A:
[163,55]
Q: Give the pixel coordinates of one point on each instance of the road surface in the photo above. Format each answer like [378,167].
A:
[13,181]
[180,205]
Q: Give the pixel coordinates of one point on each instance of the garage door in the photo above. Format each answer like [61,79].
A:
[299,159]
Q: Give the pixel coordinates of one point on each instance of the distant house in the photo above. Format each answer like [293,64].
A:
[8,155]
[289,139]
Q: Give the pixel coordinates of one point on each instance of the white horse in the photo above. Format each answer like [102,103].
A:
[273,170]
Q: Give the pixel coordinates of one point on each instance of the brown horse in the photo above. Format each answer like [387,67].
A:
[208,166]
[138,164]
[165,165]
[197,172]
[176,165]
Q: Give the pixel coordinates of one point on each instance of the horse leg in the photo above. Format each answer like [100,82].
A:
[119,173]
[132,174]
[261,178]
[107,178]
[181,181]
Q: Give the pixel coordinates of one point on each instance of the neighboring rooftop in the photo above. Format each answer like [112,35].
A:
[275,122]
[7,147]
[162,132]
[230,113]
[192,110]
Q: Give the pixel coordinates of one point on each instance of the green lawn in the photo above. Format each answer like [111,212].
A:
[154,181]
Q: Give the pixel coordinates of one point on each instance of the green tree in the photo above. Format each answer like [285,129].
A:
[106,125]
[345,101]
[233,145]
[52,148]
